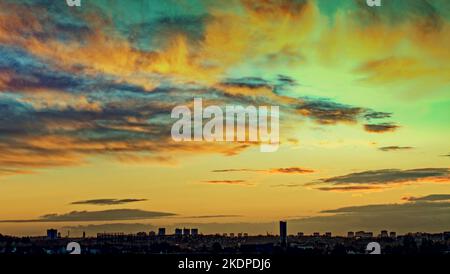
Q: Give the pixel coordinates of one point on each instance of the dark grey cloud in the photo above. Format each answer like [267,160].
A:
[394,148]
[328,112]
[428,198]
[248,82]
[380,128]
[389,176]
[377,115]
[103,215]
[107,201]
[286,79]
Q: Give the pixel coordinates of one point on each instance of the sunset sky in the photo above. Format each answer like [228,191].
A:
[86,95]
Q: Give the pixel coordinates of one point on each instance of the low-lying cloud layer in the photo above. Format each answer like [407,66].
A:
[430,213]
[408,217]
[103,215]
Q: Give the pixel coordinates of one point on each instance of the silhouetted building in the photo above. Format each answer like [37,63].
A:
[363,234]
[328,234]
[52,234]
[153,233]
[384,234]
[84,234]
[393,234]
[283,233]
[446,235]
[178,232]
[111,236]
[350,234]
[300,234]
[316,234]
[141,234]
[194,231]
[162,231]
[186,232]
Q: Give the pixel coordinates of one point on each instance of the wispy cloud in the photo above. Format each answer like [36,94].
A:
[384,176]
[107,201]
[228,182]
[378,179]
[213,216]
[349,188]
[281,170]
[394,148]
[287,185]
[380,128]
[428,198]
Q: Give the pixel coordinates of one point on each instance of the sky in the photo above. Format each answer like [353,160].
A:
[86,95]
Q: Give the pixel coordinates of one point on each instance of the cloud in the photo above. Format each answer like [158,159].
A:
[103,215]
[377,115]
[327,112]
[413,216]
[349,188]
[281,170]
[428,198]
[288,185]
[384,176]
[394,148]
[228,182]
[380,128]
[291,170]
[74,85]
[237,170]
[248,82]
[107,201]
[213,216]
[378,179]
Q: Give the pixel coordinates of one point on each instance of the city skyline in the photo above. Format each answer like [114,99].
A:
[86,95]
